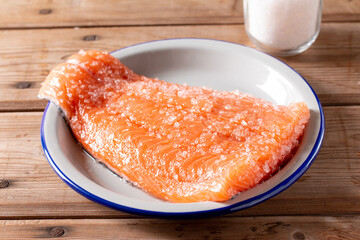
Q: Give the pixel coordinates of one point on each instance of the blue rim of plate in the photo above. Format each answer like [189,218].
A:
[205,213]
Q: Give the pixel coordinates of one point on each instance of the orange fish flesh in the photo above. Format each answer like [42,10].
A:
[177,142]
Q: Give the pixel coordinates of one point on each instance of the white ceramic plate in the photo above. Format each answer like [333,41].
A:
[198,62]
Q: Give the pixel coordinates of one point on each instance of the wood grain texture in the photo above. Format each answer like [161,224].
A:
[67,13]
[28,56]
[330,187]
[276,228]
[331,65]
[341,10]
[37,35]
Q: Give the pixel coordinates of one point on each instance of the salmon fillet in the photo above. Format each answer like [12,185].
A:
[177,142]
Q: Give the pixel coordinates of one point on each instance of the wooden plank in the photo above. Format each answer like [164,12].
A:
[330,187]
[296,228]
[43,13]
[341,10]
[26,56]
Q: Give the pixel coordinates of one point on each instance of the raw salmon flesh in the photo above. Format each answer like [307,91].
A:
[177,142]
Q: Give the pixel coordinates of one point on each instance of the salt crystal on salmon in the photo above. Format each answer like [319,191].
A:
[177,142]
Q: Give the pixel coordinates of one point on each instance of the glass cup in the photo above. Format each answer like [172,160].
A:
[283,27]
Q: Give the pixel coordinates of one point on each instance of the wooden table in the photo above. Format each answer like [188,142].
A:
[37,35]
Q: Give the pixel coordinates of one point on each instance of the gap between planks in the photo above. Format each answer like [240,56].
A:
[124,215]
[149,25]
[42,13]
[129,26]
[41,107]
